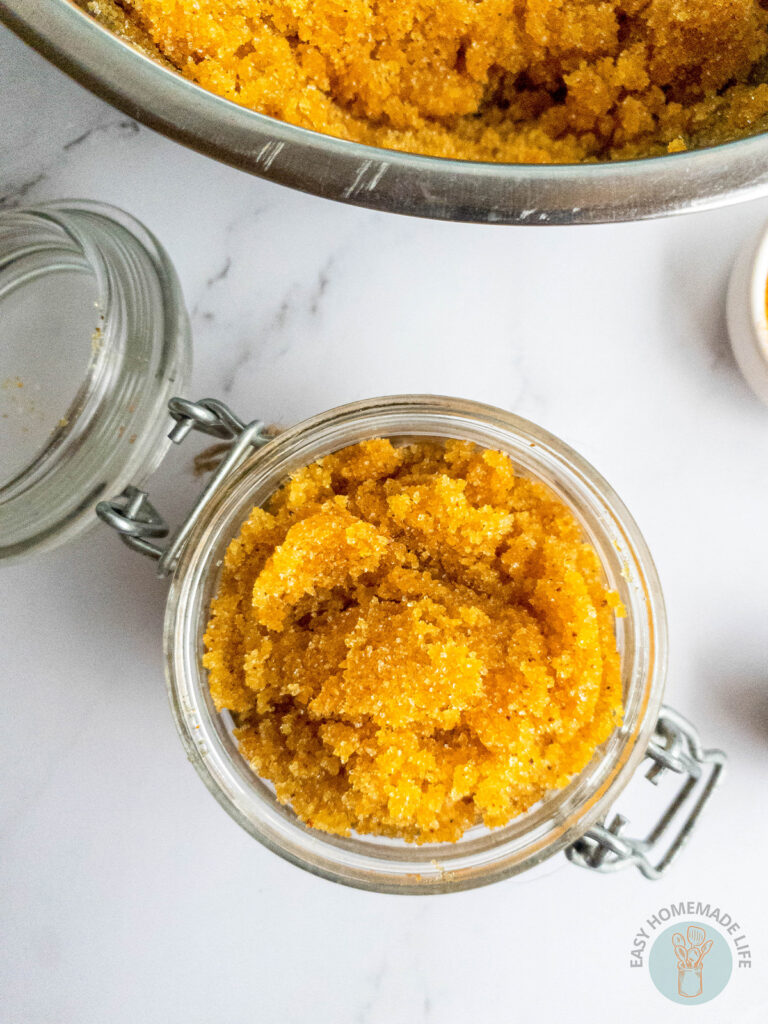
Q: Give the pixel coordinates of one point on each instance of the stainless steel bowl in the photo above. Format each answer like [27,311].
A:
[377,178]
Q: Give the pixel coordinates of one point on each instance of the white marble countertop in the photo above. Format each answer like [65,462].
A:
[129,895]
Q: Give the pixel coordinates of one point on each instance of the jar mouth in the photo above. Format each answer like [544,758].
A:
[123,339]
[481,855]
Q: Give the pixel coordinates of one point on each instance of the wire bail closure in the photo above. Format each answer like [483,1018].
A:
[133,515]
[675,746]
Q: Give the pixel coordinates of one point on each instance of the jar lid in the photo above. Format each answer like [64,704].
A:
[95,339]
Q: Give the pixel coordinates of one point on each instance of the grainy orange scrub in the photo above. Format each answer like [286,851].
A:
[414,639]
[503,80]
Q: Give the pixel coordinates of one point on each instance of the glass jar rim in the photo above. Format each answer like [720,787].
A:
[482,856]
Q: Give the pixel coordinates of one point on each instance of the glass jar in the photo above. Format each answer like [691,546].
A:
[95,340]
[572,818]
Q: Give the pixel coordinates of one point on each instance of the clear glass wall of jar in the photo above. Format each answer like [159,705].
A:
[482,855]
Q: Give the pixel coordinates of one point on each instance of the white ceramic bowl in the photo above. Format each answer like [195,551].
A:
[747,314]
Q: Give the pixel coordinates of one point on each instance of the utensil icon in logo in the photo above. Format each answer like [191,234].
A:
[689,958]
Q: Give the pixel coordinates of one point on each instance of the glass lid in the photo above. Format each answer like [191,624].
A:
[94,338]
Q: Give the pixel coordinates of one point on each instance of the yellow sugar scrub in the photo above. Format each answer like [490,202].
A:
[413,640]
[514,81]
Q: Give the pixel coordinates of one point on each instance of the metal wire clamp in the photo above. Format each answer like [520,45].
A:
[674,747]
[134,516]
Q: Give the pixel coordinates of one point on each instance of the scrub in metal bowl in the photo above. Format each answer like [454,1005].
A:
[378,178]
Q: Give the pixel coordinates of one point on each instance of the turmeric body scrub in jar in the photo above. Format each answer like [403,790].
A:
[414,638]
[371,651]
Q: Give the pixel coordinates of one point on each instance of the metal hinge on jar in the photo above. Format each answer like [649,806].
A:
[134,516]
[674,747]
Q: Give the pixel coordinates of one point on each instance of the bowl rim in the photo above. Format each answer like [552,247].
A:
[375,178]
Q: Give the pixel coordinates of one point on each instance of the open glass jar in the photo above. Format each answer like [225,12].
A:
[572,818]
